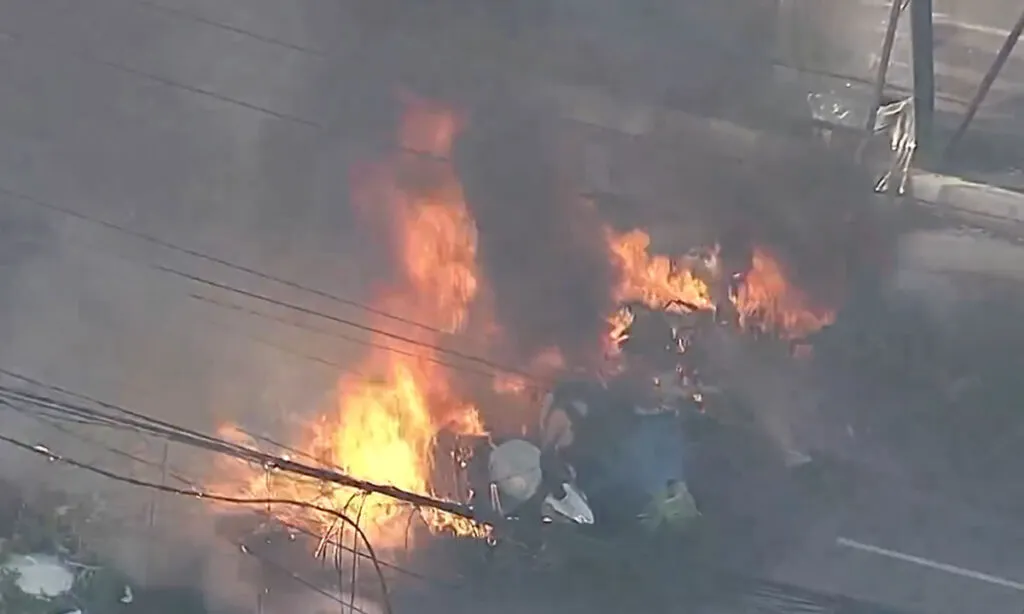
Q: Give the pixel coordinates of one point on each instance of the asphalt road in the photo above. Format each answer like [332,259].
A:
[891,545]
[154,116]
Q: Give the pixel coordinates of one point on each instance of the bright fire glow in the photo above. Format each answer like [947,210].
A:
[620,322]
[767,301]
[652,279]
[383,429]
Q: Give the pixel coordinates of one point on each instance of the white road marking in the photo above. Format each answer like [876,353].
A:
[974,27]
[917,560]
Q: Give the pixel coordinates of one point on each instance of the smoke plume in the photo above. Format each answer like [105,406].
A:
[809,208]
[541,245]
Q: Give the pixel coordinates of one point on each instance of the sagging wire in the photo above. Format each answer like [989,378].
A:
[165,244]
[93,442]
[263,298]
[355,549]
[54,411]
[286,448]
[323,539]
[146,425]
[298,579]
[178,434]
[195,486]
[138,420]
[338,564]
[348,338]
[339,516]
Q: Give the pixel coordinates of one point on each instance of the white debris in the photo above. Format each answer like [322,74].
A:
[796,458]
[127,597]
[514,466]
[41,575]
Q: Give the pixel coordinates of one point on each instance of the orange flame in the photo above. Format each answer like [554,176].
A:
[619,324]
[767,301]
[383,430]
[654,280]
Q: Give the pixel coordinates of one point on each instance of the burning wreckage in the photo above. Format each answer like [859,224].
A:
[609,454]
[602,454]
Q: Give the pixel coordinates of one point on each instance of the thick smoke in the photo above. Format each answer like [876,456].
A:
[542,246]
[809,208]
[816,211]
[81,308]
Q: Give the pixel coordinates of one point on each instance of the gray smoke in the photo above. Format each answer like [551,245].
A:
[542,246]
[810,208]
[229,128]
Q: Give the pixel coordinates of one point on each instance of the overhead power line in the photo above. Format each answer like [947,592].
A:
[193,438]
[348,338]
[196,487]
[163,243]
[343,321]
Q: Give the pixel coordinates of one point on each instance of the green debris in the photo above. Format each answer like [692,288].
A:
[673,509]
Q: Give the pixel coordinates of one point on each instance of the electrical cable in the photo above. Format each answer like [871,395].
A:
[94,442]
[349,338]
[285,447]
[188,16]
[284,349]
[341,517]
[43,415]
[165,244]
[297,578]
[245,549]
[196,486]
[267,461]
[418,502]
[284,282]
[343,321]
[152,427]
[55,411]
[139,421]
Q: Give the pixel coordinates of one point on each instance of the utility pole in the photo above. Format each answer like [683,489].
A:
[923,48]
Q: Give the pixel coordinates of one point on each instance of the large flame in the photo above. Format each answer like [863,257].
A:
[767,301]
[652,279]
[387,414]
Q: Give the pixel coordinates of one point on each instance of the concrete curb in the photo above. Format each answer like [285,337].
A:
[969,199]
